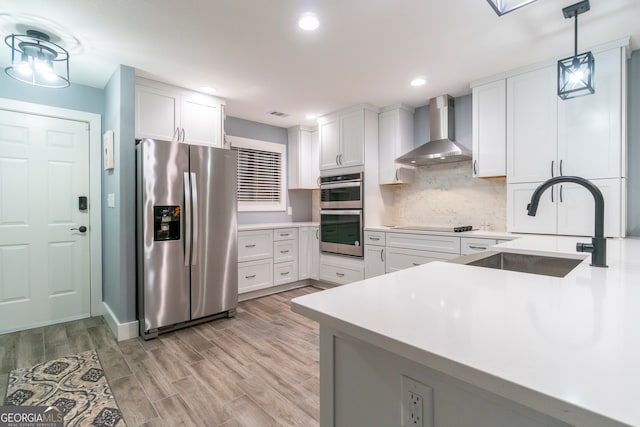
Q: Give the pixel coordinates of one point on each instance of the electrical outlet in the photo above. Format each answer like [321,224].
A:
[417,403]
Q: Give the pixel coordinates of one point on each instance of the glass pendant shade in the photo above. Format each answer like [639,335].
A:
[505,6]
[575,76]
[37,61]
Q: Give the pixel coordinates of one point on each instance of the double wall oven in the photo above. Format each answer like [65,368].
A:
[341,214]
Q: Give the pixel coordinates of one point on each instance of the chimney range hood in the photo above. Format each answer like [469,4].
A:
[441,147]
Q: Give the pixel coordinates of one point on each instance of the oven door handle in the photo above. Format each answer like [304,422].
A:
[341,184]
[340,212]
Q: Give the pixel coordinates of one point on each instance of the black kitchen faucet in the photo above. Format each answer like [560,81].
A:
[598,245]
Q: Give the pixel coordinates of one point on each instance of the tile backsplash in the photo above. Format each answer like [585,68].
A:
[447,195]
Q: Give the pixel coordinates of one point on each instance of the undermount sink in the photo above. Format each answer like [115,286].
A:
[533,264]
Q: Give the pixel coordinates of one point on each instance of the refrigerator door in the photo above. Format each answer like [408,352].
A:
[214,264]
[163,280]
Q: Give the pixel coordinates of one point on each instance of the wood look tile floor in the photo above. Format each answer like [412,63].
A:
[258,369]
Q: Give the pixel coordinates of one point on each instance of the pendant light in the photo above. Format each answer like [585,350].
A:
[576,73]
[505,6]
[37,61]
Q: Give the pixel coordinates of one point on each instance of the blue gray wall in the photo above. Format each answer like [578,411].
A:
[299,200]
[118,223]
[462,122]
[633,138]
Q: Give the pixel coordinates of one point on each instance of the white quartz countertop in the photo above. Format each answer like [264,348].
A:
[247,227]
[569,347]
[480,234]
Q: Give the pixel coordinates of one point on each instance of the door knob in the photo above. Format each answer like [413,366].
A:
[81,229]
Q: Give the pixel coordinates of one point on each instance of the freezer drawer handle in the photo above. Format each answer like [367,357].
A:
[194,192]
[187,222]
[250,277]
[249,246]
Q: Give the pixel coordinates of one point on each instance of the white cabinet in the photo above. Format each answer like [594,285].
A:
[395,138]
[401,258]
[567,209]
[489,129]
[308,253]
[374,254]
[532,126]
[254,245]
[255,260]
[340,270]
[285,255]
[303,152]
[341,138]
[470,245]
[424,242]
[255,275]
[175,114]
[590,140]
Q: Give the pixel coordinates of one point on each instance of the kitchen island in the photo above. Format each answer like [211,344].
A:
[487,347]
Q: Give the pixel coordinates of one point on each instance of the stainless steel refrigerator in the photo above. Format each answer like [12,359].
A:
[186,235]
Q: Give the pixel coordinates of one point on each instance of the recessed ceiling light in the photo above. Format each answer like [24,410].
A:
[418,81]
[311,116]
[208,89]
[308,22]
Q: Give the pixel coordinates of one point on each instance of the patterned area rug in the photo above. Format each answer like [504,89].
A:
[75,384]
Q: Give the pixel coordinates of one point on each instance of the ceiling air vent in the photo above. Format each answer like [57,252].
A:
[279,114]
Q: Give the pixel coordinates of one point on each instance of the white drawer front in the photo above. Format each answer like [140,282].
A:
[471,245]
[285,250]
[399,258]
[374,238]
[424,242]
[285,233]
[285,272]
[254,245]
[341,270]
[254,275]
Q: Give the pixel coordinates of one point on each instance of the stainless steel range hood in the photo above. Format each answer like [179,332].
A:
[441,147]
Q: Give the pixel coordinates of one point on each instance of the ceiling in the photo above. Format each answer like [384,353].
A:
[365,51]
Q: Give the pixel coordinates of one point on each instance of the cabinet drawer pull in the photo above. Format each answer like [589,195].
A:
[249,246]
[415,263]
[479,248]
[250,277]
[339,274]
[284,252]
[285,274]
[284,234]
[375,239]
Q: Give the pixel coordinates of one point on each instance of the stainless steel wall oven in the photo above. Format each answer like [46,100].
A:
[341,214]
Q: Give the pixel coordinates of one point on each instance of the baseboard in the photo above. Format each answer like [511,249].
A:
[122,331]
[273,290]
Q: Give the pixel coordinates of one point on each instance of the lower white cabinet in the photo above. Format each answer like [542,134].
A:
[285,272]
[341,270]
[308,253]
[255,245]
[567,209]
[401,258]
[254,275]
[374,261]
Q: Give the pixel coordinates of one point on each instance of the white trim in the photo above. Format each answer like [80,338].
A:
[43,324]
[275,289]
[122,331]
[95,180]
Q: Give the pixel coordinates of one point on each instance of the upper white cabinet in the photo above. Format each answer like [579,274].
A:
[532,105]
[342,138]
[175,114]
[590,127]
[395,138]
[489,129]
[303,160]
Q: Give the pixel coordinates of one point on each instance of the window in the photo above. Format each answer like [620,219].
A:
[261,177]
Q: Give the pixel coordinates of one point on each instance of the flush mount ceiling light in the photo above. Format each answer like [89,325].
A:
[505,6]
[308,22]
[418,81]
[37,61]
[576,73]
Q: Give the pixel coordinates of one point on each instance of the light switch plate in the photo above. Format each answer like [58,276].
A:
[111,200]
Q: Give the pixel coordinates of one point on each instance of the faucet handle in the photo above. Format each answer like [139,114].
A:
[584,247]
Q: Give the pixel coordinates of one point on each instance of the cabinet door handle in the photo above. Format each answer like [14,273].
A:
[184,134]
[176,135]
[561,174]
[551,194]
[340,158]
[475,167]
[561,193]
[382,254]
[397,171]
[285,273]
[317,234]
[339,274]
[553,162]
[318,182]
[250,277]
[337,155]
[249,246]
[284,252]
[477,248]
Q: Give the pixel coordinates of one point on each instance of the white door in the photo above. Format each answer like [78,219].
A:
[44,264]
[201,122]
[157,114]
[352,139]
[518,220]
[489,129]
